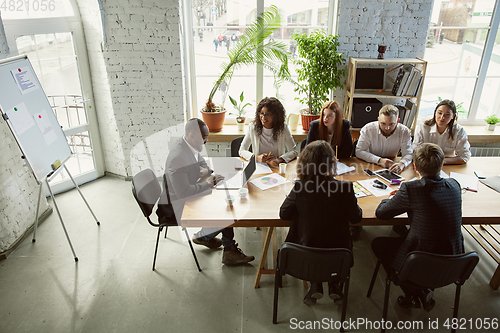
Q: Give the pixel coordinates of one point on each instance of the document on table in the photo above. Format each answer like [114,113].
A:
[378,192]
[467,182]
[262,168]
[342,168]
[268,181]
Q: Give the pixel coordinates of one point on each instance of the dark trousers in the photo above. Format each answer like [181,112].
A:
[385,249]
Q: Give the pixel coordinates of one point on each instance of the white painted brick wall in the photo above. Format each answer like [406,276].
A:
[140,65]
[18,191]
[401,25]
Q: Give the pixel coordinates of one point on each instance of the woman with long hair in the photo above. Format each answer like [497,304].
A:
[269,135]
[333,128]
[444,131]
[320,209]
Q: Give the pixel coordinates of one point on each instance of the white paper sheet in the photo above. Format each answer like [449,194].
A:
[262,168]
[43,122]
[25,79]
[342,168]
[269,181]
[20,118]
[465,181]
[378,192]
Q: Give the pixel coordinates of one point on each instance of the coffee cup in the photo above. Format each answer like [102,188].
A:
[282,168]
[243,192]
[229,200]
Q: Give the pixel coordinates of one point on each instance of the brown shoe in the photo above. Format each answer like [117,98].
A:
[212,243]
[234,256]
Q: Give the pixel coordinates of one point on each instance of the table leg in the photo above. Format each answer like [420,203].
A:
[265,231]
[275,246]
[261,270]
[495,279]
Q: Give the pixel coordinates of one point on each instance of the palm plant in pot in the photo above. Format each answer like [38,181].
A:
[319,71]
[251,48]
[240,116]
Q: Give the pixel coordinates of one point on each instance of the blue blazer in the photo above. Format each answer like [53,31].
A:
[345,148]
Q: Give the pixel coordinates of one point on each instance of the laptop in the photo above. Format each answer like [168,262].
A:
[235,181]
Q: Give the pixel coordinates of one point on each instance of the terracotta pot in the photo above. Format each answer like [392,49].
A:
[214,120]
[306,119]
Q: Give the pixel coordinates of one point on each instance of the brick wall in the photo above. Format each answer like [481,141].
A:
[137,78]
[401,25]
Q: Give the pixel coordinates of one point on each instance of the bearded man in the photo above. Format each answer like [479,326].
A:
[380,141]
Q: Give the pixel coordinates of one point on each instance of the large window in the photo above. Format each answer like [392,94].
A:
[226,20]
[463,55]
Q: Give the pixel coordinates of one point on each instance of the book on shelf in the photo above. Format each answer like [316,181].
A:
[412,87]
[411,109]
[406,87]
[401,80]
[397,81]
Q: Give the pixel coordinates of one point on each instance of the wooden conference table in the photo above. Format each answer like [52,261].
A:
[261,208]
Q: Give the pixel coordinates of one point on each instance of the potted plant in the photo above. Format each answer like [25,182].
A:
[319,71]
[240,116]
[491,121]
[251,48]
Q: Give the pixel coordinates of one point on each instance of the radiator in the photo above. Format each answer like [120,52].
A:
[484,151]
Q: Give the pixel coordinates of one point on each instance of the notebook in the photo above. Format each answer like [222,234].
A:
[235,181]
[493,182]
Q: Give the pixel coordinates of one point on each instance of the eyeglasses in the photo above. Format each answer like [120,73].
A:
[265,115]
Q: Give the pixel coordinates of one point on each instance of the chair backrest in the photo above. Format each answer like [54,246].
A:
[354,145]
[235,146]
[303,144]
[435,270]
[314,264]
[146,190]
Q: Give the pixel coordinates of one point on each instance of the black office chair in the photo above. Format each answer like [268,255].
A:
[147,191]
[235,146]
[315,265]
[354,144]
[429,271]
[303,144]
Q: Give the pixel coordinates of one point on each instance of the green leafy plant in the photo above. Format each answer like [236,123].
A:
[319,68]
[240,116]
[492,120]
[253,48]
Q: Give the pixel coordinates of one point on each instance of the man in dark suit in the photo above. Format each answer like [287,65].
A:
[434,208]
[188,175]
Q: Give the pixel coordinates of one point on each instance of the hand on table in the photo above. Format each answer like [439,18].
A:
[397,167]
[214,179]
[203,172]
[276,161]
[385,163]
[265,158]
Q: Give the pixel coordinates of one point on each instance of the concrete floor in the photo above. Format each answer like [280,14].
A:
[113,289]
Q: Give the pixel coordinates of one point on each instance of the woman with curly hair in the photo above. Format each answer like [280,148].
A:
[269,135]
[444,131]
[332,128]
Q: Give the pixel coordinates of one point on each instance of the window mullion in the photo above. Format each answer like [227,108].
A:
[485,61]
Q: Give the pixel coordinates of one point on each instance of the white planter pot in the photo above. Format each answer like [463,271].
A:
[490,127]
[241,126]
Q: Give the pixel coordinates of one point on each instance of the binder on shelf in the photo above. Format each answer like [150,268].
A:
[419,85]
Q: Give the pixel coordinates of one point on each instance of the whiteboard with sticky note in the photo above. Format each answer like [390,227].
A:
[27,111]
